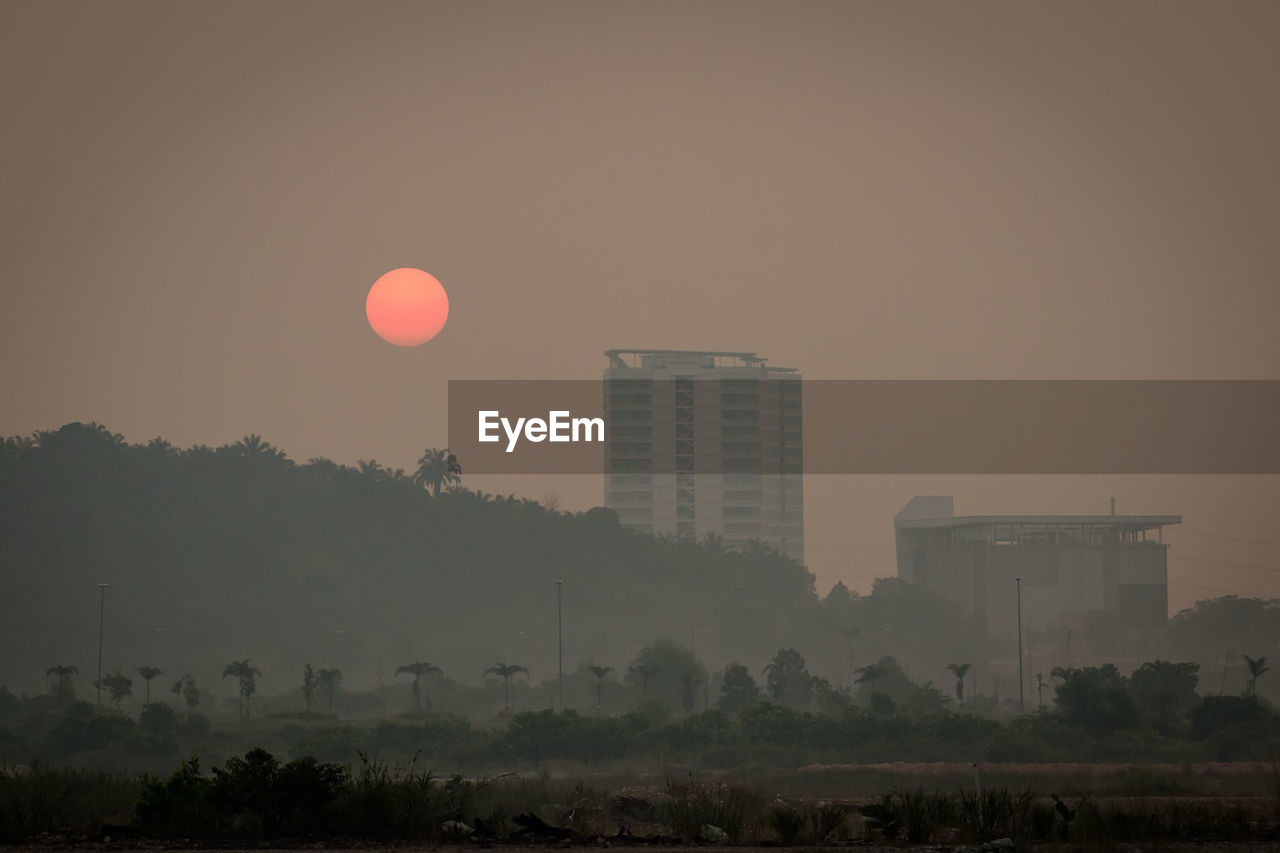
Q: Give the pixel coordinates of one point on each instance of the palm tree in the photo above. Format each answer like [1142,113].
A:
[851,634]
[505,672]
[418,669]
[870,673]
[252,446]
[371,469]
[64,674]
[688,681]
[247,676]
[599,672]
[309,682]
[148,673]
[330,680]
[959,670]
[437,469]
[1257,668]
[645,671]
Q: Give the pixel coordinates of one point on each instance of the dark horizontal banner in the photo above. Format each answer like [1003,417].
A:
[788,426]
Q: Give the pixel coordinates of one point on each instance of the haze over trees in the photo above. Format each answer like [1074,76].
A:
[241,551]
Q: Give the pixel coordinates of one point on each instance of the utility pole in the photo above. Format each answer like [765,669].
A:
[560,637]
[1020,695]
[102,609]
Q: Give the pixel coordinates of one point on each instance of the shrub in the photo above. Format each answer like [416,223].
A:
[180,803]
[995,812]
[738,810]
[38,800]
[918,814]
[787,822]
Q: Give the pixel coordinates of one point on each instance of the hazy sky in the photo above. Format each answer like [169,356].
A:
[195,198]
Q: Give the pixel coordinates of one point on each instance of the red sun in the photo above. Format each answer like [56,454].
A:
[407,307]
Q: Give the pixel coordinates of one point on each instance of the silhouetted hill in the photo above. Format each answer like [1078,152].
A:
[231,552]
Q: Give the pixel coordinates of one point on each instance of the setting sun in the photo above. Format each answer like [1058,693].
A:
[407,307]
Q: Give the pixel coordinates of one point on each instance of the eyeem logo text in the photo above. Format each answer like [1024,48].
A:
[560,426]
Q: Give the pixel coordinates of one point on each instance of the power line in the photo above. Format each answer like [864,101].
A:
[1217,589]
[1180,529]
[1231,563]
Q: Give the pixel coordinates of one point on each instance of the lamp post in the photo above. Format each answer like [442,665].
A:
[560,639]
[102,610]
[1020,697]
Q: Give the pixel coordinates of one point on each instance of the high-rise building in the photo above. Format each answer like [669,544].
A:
[705,443]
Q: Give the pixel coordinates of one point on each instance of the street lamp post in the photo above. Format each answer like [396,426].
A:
[1020,697]
[560,639]
[102,609]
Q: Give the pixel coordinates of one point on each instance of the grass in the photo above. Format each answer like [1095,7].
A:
[737,810]
[39,800]
[377,801]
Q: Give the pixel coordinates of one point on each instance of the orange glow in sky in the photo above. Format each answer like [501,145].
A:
[407,307]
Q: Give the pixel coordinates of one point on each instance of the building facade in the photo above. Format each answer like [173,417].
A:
[705,443]
[1090,576]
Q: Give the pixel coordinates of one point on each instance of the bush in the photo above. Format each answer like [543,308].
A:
[254,795]
[39,800]
[1244,714]
[738,810]
[787,822]
[156,719]
[995,812]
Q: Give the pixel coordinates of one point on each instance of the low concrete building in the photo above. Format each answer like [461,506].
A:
[1087,575]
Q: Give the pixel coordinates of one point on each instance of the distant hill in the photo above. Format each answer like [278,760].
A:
[237,551]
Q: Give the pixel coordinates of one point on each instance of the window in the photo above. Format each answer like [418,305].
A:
[740,527]
[631,432]
[632,447]
[740,447]
[630,497]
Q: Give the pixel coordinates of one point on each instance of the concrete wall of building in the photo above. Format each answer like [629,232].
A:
[1064,585]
